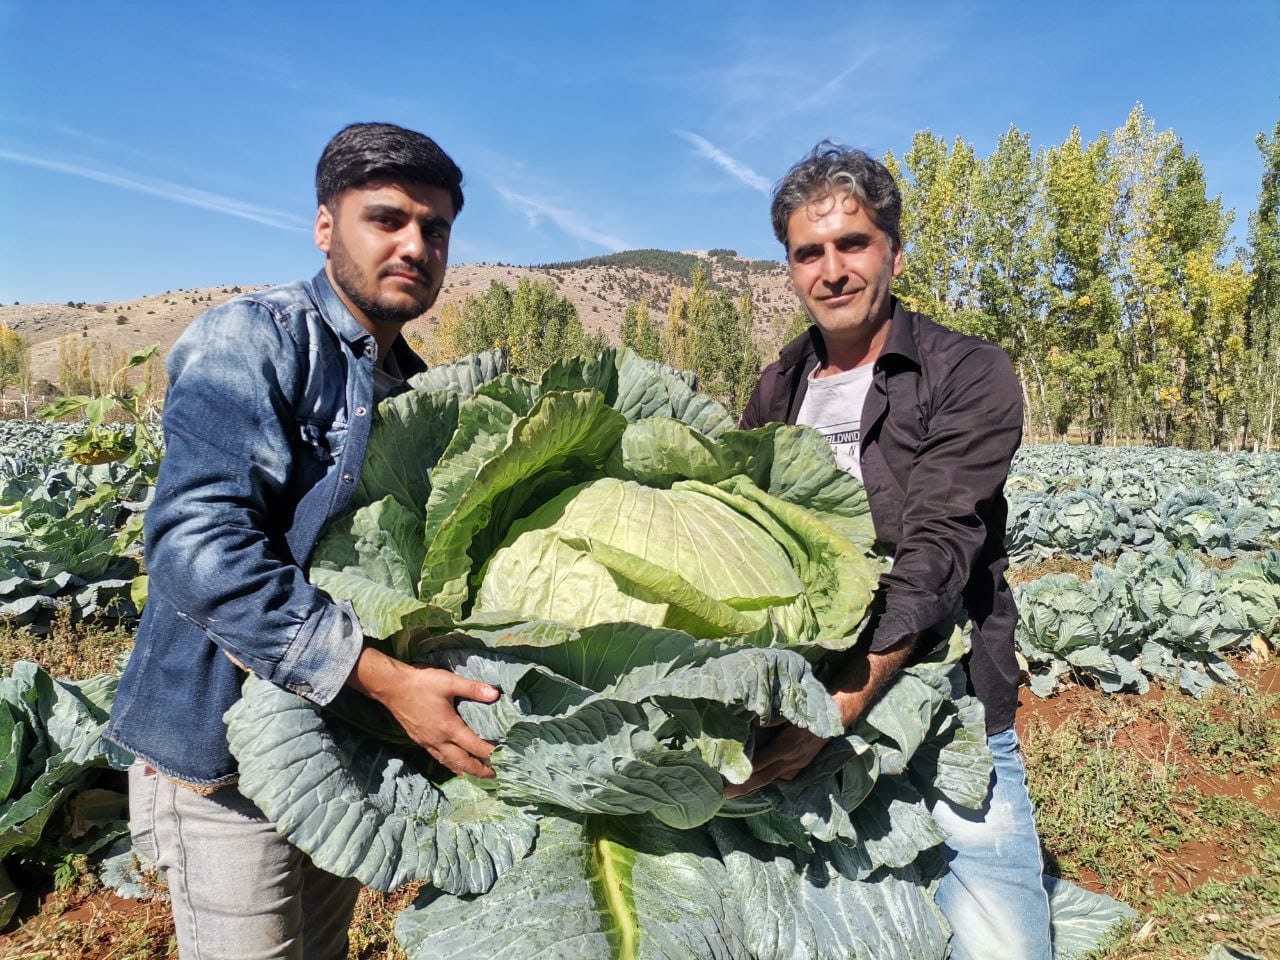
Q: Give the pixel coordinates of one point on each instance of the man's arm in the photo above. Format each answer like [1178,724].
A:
[228,422]
[223,485]
[854,689]
[959,469]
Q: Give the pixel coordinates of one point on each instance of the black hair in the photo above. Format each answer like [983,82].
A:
[363,152]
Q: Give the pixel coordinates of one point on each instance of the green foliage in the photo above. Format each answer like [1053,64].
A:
[51,753]
[640,333]
[15,360]
[533,324]
[136,446]
[677,266]
[1101,267]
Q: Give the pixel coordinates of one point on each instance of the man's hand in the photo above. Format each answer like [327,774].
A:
[854,691]
[783,758]
[422,701]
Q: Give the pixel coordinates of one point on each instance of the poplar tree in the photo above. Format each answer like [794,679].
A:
[1262,314]
[1082,330]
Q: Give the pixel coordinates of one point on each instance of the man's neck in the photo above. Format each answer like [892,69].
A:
[384,331]
[845,354]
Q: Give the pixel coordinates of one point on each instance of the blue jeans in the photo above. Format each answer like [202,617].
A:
[993,896]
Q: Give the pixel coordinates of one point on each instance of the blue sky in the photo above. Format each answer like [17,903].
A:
[146,147]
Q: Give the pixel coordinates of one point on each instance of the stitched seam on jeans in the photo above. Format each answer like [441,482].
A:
[181,856]
[155,840]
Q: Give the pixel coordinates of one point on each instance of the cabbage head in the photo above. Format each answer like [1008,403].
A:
[651,590]
[1082,628]
[1185,623]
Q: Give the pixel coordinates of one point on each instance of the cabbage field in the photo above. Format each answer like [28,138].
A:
[627,707]
[1186,570]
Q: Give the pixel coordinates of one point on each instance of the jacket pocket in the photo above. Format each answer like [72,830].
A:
[323,441]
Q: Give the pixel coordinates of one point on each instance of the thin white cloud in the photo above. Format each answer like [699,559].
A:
[736,169]
[572,223]
[191,196]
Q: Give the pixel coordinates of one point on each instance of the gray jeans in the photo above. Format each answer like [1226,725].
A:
[239,890]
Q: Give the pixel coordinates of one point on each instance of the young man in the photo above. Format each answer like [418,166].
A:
[929,420]
[266,423]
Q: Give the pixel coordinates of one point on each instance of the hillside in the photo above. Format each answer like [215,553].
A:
[600,287]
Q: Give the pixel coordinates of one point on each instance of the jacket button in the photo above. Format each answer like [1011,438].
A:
[302,687]
[361,411]
[348,478]
[369,350]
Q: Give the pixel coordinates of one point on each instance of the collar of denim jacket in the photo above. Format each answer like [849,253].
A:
[334,311]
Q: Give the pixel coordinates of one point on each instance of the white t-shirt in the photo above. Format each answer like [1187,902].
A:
[833,406]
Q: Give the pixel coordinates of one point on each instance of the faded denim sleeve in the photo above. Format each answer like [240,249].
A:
[228,424]
[961,466]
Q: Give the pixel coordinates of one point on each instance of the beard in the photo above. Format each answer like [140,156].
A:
[354,282]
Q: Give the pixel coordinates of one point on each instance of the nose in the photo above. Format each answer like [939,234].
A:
[833,272]
[412,244]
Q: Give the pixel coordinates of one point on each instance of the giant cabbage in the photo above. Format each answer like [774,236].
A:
[652,591]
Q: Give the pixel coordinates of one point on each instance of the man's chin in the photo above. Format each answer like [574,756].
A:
[399,309]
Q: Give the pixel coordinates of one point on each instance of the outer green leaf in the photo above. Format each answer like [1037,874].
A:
[373,557]
[1080,920]
[464,377]
[606,889]
[604,758]
[359,808]
[409,435]
[801,907]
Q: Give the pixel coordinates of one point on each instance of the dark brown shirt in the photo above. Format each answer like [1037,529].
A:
[940,425]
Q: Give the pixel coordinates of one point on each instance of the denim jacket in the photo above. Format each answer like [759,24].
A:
[266,422]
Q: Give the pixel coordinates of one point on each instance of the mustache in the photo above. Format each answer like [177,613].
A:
[421,272]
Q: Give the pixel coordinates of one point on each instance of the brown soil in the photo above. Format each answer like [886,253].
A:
[1148,734]
[91,926]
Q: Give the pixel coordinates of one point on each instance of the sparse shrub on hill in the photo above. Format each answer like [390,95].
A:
[74,358]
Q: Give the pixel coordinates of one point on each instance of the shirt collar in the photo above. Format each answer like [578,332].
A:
[901,339]
[334,311]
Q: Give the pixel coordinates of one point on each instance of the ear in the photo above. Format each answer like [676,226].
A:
[897,259]
[324,228]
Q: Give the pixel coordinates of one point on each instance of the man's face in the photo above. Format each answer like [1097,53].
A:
[388,245]
[842,266]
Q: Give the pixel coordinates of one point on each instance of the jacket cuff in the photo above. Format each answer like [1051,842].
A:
[889,632]
[318,663]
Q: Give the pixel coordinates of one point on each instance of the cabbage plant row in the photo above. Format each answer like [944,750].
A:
[1164,616]
[68,531]
[58,796]
[1095,502]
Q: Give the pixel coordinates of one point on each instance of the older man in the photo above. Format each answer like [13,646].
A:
[929,419]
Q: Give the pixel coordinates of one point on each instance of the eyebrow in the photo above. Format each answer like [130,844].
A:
[855,236]
[390,209]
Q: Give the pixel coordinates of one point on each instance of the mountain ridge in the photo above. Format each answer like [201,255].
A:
[600,288]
